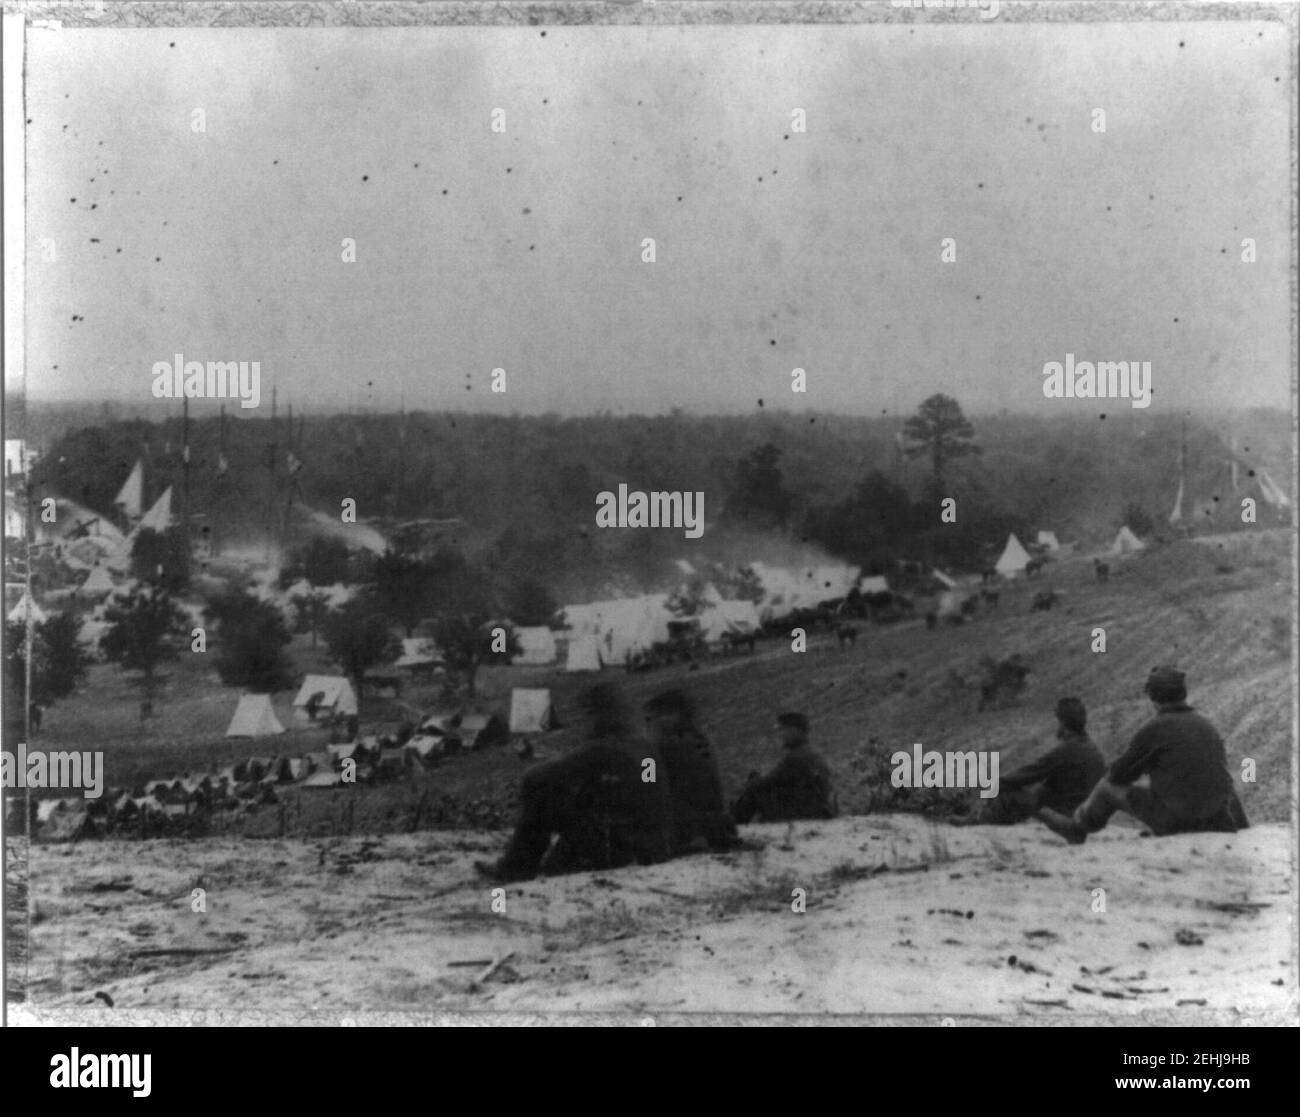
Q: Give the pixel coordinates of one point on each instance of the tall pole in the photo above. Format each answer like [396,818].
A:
[271,501]
[185,466]
[30,639]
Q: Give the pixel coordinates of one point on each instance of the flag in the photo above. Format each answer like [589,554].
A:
[1177,514]
[294,464]
[185,454]
[222,464]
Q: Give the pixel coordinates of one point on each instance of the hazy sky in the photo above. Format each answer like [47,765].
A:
[523,250]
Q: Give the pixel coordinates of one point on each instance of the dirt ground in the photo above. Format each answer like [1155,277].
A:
[904,917]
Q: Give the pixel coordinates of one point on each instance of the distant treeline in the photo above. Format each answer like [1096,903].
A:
[525,487]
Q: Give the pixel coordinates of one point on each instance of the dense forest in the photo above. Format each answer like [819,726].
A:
[520,493]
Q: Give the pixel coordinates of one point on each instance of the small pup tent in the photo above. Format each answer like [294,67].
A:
[254,717]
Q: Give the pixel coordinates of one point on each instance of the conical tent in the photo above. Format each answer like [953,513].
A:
[1048,539]
[1014,558]
[131,495]
[159,517]
[584,654]
[254,717]
[1126,542]
[97,582]
[19,611]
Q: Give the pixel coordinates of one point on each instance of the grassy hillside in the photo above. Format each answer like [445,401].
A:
[1220,612]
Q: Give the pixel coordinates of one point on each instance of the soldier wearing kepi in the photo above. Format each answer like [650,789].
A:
[798,787]
[1182,754]
[691,771]
[593,799]
[1060,779]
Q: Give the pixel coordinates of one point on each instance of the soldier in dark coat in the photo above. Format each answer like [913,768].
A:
[1060,779]
[593,800]
[1182,755]
[691,772]
[798,787]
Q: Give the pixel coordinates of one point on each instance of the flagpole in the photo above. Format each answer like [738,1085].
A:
[185,467]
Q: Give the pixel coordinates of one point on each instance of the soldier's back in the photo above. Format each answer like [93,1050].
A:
[615,817]
[799,787]
[695,786]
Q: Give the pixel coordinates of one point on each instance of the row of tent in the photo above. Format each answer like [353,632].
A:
[530,708]
[320,696]
[1015,557]
[606,633]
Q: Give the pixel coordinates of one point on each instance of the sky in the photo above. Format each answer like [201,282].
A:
[775,249]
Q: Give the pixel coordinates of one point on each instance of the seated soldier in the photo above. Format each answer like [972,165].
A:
[593,800]
[691,772]
[1061,779]
[1190,787]
[798,787]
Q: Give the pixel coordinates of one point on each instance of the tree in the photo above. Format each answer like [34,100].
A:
[871,527]
[323,561]
[760,496]
[465,640]
[162,558]
[326,562]
[404,588]
[463,625]
[250,641]
[530,603]
[312,608]
[140,625]
[358,638]
[58,666]
[940,431]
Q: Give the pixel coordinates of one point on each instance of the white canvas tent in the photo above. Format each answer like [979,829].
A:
[738,617]
[131,496]
[874,585]
[159,517]
[584,654]
[530,711]
[619,627]
[1014,558]
[1048,539]
[97,583]
[254,717]
[19,611]
[536,646]
[1126,542]
[337,696]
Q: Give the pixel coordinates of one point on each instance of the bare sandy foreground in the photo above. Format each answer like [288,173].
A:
[903,917]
